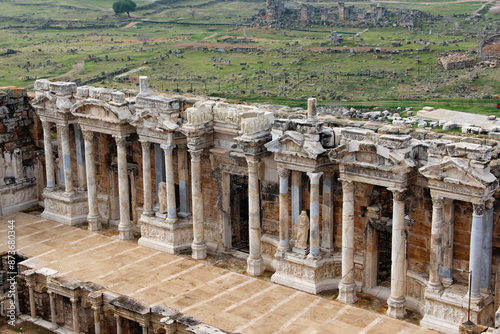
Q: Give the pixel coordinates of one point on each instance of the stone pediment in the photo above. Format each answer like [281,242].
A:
[296,144]
[460,171]
[50,101]
[100,110]
[149,121]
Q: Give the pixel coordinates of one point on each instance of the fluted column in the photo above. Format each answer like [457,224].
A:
[327,226]
[284,222]
[146,177]
[397,300]
[31,289]
[53,315]
[476,245]
[436,244]
[49,155]
[97,318]
[76,320]
[487,244]
[255,264]
[169,171]
[183,172]
[347,285]
[314,236]
[94,218]
[124,227]
[66,154]
[199,245]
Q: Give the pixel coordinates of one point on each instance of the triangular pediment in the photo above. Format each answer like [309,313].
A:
[96,109]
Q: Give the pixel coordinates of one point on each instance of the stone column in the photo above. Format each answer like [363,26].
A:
[144,328]
[169,170]
[49,155]
[199,245]
[53,315]
[347,285]
[296,200]
[66,154]
[397,299]
[255,266]
[436,245]
[314,236]
[487,244]
[118,324]
[76,320]
[183,172]
[311,110]
[31,288]
[476,248]
[146,177]
[94,218]
[159,171]
[448,231]
[284,245]
[97,318]
[80,158]
[327,227]
[143,86]
[124,227]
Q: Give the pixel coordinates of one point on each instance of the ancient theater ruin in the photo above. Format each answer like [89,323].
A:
[400,215]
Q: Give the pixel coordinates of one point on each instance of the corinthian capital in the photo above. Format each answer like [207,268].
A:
[283,172]
[88,135]
[347,186]
[399,194]
[478,208]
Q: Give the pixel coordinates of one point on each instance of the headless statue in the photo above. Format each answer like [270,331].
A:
[302,231]
[162,197]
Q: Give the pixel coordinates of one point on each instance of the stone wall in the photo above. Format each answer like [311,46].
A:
[19,135]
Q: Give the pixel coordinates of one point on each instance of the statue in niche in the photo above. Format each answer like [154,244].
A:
[162,197]
[302,231]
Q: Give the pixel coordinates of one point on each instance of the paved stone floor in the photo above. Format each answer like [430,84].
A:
[219,297]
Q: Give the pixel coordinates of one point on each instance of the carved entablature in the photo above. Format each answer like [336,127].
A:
[157,103]
[295,144]
[102,111]
[151,124]
[255,122]
[53,97]
[226,113]
[200,114]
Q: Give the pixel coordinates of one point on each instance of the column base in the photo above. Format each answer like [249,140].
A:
[347,293]
[171,220]
[199,251]
[313,257]
[255,267]
[94,223]
[435,288]
[396,308]
[149,213]
[126,232]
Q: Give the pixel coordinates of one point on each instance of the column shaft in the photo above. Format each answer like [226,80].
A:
[93,217]
[347,286]
[314,236]
[97,319]
[254,263]
[397,300]
[118,324]
[296,200]
[147,180]
[49,155]
[284,216]
[53,315]
[76,320]
[80,157]
[66,154]
[327,227]
[448,231]
[31,289]
[159,171]
[487,245]
[183,171]
[124,227]
[169,170]
[476,245]
[199,245]
[436,244]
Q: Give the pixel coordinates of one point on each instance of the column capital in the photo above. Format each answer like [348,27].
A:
[328,174]
[253,164]
[73,300]
[283,172]
[146,145]
[314,177]
[490,203]
[195,155]
[120,140]
[438,202]
[50,293]
[167,148]
[347,186]
[64,128]
[47,126]
[88,135]
[478,208]
[398,193]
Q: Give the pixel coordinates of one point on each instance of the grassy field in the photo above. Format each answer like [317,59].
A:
[83,40]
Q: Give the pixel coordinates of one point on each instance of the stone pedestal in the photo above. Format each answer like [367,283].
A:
[64,208]
[160,234]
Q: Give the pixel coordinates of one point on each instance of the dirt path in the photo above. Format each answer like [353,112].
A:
[131,24]
[78,67]
[208,37]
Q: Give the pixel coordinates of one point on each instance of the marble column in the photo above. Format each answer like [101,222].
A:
[144,328]
[284,216]
[255,265]
[311,110]
[487,244]
[296,200]
[328,207]
[146,178]
[53,315]
[436,245]
[159,171]
[199,246]
[183,172]
[476,248]
[347,285]
[314,233]
[76,320]
[125,226]
[397,300]
[94,218]
[49,155]
[97,318]
[31,289]
[118,324]
[66,155]
[169,170]
[448,231]
[80,157]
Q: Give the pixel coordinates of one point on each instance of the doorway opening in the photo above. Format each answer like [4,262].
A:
[239,212]
[383,232]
